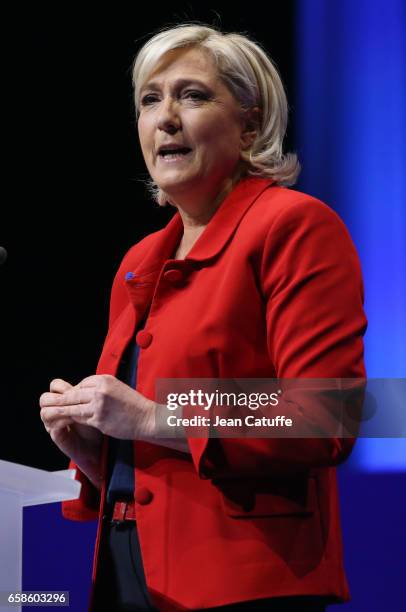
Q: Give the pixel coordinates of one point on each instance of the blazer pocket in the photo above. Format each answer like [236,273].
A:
[291,497]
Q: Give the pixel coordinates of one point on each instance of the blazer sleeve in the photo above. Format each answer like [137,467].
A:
[312,287]
[86,507]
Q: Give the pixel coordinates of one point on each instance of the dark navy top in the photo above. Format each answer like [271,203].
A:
[121,459]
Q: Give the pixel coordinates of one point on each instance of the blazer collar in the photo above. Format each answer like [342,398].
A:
[225,221]
[215,236]
[141,281]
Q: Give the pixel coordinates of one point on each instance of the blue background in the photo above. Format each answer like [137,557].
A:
[351,136]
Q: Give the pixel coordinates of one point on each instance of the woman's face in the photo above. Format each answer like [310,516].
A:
[190,126]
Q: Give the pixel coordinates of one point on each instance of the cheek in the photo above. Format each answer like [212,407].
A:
[143,135]
[220,137]
[220,147]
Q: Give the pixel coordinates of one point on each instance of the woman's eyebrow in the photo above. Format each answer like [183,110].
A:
[178,84]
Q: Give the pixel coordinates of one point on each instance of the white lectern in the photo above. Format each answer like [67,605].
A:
[25,486]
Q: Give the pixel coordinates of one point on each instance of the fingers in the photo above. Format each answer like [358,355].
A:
[59,424]
[79,413]
[74,414]
[73,397]
[53,419]
[51,415]
[58,385]
[66,404]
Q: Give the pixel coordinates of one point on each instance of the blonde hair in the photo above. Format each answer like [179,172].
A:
[251,77]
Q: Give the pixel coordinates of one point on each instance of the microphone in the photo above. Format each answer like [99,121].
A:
[3,255]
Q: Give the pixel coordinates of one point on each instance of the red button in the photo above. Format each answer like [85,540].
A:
[173,276]
[143,496]
[143,338]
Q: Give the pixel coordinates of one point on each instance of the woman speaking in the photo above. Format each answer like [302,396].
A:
[248,280]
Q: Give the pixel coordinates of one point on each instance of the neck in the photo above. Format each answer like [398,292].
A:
[196,214]
[196,206]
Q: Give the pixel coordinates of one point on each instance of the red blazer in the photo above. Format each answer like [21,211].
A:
[272,288]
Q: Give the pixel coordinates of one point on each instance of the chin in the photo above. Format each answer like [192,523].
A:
[175,186]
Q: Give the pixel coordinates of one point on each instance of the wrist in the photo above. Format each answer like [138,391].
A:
[92,472]
[148,430]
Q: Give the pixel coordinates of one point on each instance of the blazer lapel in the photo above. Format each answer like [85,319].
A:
[141,281]
[226,219]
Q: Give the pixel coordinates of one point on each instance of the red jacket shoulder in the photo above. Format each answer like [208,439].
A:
[283,203]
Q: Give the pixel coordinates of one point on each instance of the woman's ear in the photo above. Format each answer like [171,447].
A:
[251,123]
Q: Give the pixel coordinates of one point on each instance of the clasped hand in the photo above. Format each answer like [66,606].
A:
[77,417]
[102,402]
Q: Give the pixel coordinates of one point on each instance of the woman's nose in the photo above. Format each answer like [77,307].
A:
[169,120]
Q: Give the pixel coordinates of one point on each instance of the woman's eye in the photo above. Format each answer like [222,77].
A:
[194,94]
[149,99]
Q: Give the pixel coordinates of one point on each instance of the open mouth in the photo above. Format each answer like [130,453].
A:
[174,153]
